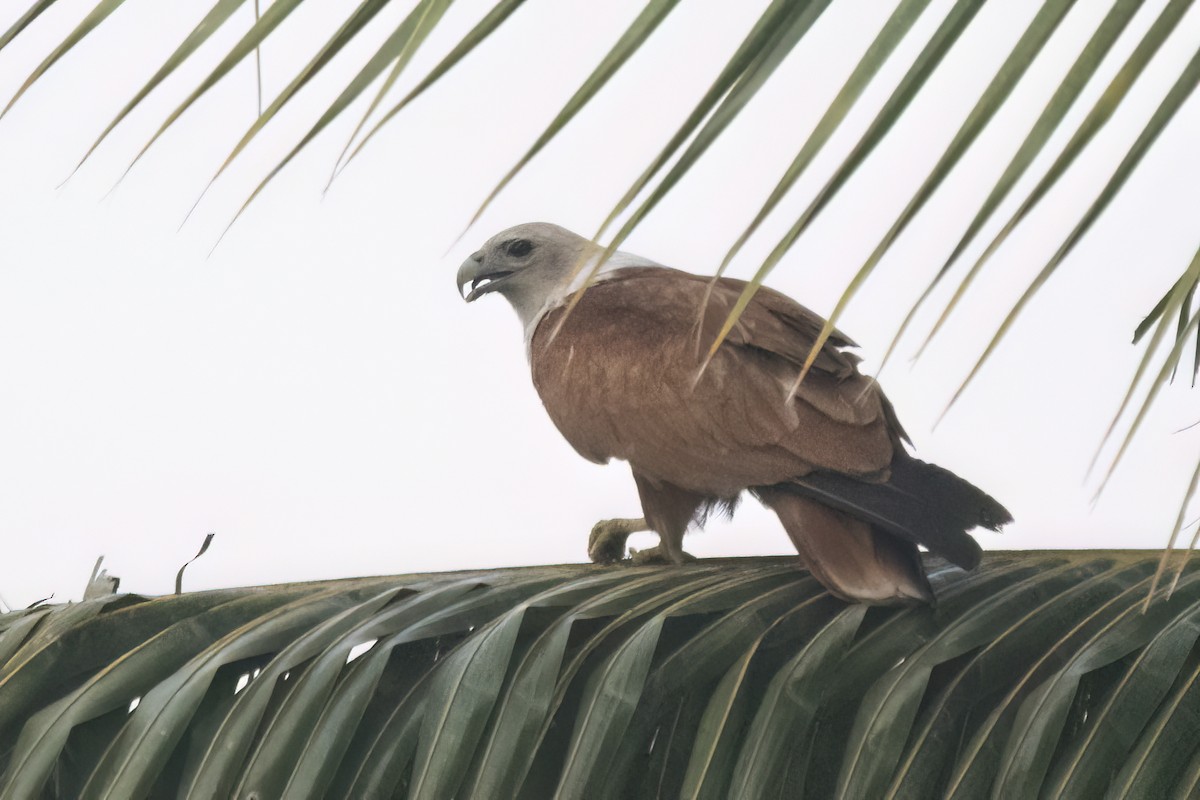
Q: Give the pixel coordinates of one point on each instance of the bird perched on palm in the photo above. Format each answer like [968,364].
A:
[620,376]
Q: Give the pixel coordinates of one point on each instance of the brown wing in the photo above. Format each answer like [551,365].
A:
[619,382]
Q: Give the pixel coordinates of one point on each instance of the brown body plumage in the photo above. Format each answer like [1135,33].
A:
[620,377]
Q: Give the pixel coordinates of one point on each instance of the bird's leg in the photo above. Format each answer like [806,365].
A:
[669,549]
[669,510]
[606,543]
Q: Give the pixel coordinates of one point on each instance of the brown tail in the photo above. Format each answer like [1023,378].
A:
[852,558]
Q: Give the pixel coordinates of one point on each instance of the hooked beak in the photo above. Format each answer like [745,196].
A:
[472,272]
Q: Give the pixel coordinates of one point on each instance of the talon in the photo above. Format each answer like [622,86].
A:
[657,555]
[606,542]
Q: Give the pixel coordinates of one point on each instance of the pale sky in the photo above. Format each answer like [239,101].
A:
[317,394]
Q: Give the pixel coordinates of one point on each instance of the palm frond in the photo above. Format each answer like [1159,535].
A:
[782,26]
[88,24]
[1039,674]
[485,28]
[1039,31]
[1077,77]
[943,39]
[632,39]
[397,50]
[1099,115]
[205,28]
[23,21]
[1176,301]
[1178,94]
[893,31]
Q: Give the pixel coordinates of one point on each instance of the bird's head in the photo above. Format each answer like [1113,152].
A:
[527,264]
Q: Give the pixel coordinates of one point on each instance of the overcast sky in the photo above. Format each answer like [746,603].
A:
[317,394]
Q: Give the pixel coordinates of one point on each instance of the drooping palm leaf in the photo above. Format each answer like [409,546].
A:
[1158,382]
[397,50]
[263,27]
[893,31]
[1099,115]
[1039,31]
[88,24]
[23,21]
[1038,675]
[1178,94]
[765,54]
[634,36]
[1068,92]
[486,27]
[363,14]
[217,15]
[782,25]
[1177,300]
[952,27]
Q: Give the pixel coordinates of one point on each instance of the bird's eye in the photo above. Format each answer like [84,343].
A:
[518,248]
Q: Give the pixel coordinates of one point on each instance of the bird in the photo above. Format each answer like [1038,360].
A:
[620,361]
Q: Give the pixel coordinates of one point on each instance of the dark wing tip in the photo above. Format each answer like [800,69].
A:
[992,515]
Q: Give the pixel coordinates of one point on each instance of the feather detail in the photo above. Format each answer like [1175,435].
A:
[920,502]
[617,261]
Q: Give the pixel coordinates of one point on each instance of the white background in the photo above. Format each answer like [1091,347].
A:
[317,394]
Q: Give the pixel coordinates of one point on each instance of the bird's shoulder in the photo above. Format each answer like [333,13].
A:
[771,321]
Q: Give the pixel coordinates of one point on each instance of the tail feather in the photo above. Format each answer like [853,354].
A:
[921,502]
[852,558]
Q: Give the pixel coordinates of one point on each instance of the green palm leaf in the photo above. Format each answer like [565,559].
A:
[141,749]
[981,761]
[128,676]
[1077,77]
[1112,732]
[1037,675]
[466,690]
[639,30]
[781,25]
[1041,718]
[955,712]
[323,652]
[1040,29]
[786,714]
[893,702]
[89,23]
[716,735]
[23,21]
[220,12]
[893,31]
[1112,97]
[342,709]
[930,57]
[775,41]
[486,27]
[1178,94]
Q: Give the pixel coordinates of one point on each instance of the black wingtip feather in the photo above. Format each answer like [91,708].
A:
[921,502]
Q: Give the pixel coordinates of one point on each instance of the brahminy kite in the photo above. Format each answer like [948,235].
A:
[620,377]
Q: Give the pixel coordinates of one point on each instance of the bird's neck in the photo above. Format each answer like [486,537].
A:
[531,313]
